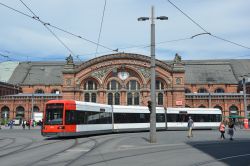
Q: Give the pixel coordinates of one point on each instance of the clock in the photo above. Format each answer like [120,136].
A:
[123,75]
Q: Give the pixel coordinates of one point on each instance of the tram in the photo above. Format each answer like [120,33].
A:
[74,118]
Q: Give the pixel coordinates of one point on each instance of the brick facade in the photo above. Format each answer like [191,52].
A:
[127,74]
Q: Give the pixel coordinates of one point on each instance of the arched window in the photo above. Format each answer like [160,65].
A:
[133,85]
[90,85]
[19,112]
[86,97]
[219,107]
[219,90]
[110,99]
[35,109]
[55,91]
[160,99]
[5,112]
[187,90]
[93,97]
[113,85]
[202,106]
[233,110]
[202,90]
[159,85]
[39,91]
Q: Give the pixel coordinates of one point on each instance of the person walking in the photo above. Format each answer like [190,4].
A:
[222,130]
[190,127]
[231,129]
[23,124]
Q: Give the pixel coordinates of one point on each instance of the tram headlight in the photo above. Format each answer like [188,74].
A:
[61,127]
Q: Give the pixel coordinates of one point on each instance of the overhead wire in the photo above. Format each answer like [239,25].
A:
[58,28]
[100,31]
[46,26]
[215,36]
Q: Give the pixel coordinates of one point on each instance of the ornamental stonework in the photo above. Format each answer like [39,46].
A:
[100,73]
[144,71]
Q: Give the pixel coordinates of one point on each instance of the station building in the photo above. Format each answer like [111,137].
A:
[124,79]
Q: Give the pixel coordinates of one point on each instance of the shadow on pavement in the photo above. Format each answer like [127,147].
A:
[236,152]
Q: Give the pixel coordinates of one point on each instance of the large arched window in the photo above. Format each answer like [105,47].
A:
[219,90]
[133,92]
[233,110]
[90,85]
[160,99]
[5,112]
[159,85]
[39,91]
[133,85]
[187,90]
[113,89]
[19,112]
[113,85]
[202,90]
[90,91]
[219,107]
[202,106]
[35,109]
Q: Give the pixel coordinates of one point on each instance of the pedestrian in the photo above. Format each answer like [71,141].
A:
[190,127]
[23,125]
[28,124]
[11,124]
[231,128]
[222,130]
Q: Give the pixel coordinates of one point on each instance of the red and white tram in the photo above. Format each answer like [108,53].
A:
[73,118]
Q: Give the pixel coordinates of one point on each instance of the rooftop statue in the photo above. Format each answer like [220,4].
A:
[177,58]
[69,59]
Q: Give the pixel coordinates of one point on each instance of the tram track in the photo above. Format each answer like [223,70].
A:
[11,142]
[96,143]
[23,147]
[93,148]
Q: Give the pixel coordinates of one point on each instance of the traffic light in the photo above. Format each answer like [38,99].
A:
[150,106]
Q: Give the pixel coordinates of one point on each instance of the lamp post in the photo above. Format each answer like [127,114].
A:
[152,89]
[245,102]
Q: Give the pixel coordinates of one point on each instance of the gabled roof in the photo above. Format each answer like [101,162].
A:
[226,71]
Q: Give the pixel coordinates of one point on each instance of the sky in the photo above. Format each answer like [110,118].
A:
[25,39]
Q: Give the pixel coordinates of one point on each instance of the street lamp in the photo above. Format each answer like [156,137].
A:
[152,89]
[245,102]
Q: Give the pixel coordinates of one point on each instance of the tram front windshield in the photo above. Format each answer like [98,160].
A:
[54,114]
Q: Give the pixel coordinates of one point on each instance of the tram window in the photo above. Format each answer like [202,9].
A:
[131,118]
[160,117]
[54,116]
[70,117]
